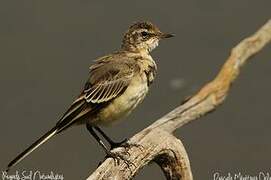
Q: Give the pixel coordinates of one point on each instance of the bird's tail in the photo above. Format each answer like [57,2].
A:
[77,110]
[34,146]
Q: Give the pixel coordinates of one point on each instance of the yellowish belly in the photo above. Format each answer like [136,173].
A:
[125,103]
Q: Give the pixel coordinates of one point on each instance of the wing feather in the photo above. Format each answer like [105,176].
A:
[107,93]
[119,88]
[101,93]
[107,81]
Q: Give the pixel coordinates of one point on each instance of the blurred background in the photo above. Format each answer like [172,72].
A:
[46,48]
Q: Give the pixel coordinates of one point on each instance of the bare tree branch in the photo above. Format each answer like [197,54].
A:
[163,148]
[157,142]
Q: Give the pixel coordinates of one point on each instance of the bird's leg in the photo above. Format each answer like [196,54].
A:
[113,155]
[124,143]
[109,140]
[97,138]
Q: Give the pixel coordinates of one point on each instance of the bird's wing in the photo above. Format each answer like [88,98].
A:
[107,80]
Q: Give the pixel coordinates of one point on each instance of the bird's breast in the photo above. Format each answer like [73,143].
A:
[125,103]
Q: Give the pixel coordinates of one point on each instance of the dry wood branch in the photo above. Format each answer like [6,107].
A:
[158,143]
[163,148]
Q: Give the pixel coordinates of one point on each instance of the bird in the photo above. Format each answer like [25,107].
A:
[116,84]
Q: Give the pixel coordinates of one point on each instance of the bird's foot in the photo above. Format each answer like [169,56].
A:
[118,144]
[117,156]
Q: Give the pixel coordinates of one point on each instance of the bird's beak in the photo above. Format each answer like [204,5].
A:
[165,35]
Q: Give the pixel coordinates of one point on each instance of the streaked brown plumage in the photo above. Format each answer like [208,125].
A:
[117,83]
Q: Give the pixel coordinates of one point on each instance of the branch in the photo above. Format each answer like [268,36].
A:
[170,151]
[159,144]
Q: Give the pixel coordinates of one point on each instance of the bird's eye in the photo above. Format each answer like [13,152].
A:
[144,33]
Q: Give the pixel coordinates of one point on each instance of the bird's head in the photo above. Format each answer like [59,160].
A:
[143,36]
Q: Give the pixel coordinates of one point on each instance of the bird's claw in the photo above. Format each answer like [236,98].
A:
[117,157]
